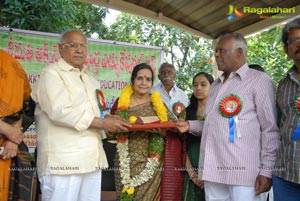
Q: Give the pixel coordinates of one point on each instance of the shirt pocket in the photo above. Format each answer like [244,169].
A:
[248,106]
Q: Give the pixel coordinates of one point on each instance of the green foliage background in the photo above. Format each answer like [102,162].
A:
[266,49]
[189,53]
[54,16]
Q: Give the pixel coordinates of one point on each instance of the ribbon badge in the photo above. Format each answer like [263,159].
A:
[229,107]
[296,134]
[177,108]
[102,107]
[101,102]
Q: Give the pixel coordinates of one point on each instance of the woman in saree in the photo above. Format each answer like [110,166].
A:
[139,156]
[193,187]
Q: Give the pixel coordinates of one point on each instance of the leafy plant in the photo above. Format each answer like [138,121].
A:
[55,16]
[266,49]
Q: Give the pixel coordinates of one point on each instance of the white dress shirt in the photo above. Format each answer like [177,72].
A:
[174,96]
[66,106]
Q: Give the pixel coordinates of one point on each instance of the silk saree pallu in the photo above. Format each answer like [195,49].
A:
[22,177]
[173,167]
[22,186]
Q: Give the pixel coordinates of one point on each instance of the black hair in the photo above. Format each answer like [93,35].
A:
[139,67]
[256,67]
[191,110]
[295,24]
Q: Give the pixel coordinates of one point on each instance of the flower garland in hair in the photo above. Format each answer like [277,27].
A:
[156,145]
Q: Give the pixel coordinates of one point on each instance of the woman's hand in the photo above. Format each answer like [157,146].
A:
[10,150]
[199,183]
[12,132]
[193,173]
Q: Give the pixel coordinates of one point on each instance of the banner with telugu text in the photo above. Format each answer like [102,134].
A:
[110,62]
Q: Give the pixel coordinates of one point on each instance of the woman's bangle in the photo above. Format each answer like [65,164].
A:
[192,175]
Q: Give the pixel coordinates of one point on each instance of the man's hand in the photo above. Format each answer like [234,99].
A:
[10,150]
[11,132]
[182,126]
[262,184]
[114,123]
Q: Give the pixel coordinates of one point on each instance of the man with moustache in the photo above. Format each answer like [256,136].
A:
[175,98]
[70,154]
[286,178]
[239,134]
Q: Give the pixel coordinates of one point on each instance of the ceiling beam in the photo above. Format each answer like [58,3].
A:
[126,7]
[159,17]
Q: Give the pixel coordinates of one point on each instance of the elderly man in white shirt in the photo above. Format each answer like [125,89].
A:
[174,98]
[70,152]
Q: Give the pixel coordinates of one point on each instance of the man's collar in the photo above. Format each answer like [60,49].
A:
[67,67]
[163,87]
[241,72]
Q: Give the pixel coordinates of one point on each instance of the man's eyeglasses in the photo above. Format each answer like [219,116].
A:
[294,41]
[76,46]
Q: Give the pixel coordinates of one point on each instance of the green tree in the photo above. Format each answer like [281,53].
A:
[53,16]
[189,53]
[266,49]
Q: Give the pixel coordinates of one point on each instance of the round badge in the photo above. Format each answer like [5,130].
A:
[101,100]
[178,108]
[230,105]
[297,105]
